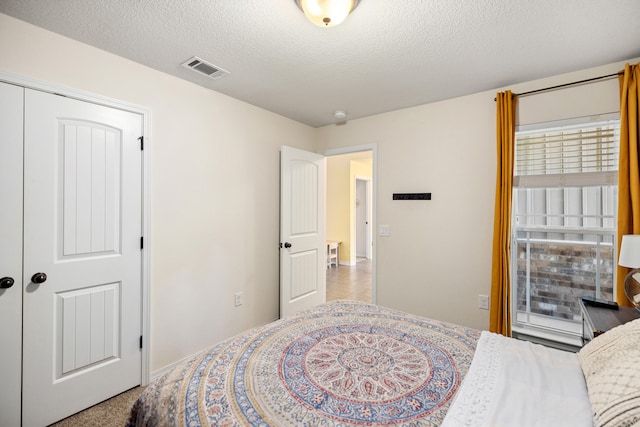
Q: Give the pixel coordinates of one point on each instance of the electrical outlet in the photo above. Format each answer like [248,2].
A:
[483,302]
[383,230]
[238,298]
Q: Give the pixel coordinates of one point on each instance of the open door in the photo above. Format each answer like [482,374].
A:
[303,246]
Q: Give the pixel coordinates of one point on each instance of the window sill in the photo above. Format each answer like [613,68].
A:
[550,338]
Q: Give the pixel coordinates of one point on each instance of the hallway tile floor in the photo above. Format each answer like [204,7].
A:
[350,282]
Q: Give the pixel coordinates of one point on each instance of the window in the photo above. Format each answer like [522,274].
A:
[564,215]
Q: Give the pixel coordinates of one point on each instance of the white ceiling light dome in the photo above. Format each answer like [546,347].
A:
[327,13]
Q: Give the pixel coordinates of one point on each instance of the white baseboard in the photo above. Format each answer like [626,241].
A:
[160,372]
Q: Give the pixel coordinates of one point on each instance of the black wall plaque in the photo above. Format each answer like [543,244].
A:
[411,196]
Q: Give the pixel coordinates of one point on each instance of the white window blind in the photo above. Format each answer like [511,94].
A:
[573,155]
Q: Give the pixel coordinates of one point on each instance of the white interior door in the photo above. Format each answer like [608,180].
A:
[82,228]
[303,253]
[11,102]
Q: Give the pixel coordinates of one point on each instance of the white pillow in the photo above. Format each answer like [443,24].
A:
[611,367]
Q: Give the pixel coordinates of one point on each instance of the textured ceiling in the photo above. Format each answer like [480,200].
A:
[387,55]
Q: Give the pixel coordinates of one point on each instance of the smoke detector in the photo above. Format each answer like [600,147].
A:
[203,67]
[340,115]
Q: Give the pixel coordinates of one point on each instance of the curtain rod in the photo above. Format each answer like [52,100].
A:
[531,92]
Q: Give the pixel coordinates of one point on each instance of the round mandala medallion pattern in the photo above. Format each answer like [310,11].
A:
[354,372]
[338,364]
[365,361]
[366,366]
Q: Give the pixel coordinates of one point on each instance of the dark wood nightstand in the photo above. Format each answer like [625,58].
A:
[598,320]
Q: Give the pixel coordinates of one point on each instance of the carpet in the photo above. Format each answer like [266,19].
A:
[110,413]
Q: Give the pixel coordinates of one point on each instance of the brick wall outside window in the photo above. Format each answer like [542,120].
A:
[560,273]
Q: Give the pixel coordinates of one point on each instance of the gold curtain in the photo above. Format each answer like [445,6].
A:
[500,314]
[629,172]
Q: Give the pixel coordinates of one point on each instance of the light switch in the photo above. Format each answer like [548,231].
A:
[483,302]
[383,230]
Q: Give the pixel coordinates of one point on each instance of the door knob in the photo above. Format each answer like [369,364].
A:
[39,278]
[287,245]
[6,282]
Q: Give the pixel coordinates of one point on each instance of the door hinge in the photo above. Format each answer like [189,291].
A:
[141,139]
[141,242]
[140,341]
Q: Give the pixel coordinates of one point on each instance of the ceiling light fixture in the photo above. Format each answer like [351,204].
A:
[327,13]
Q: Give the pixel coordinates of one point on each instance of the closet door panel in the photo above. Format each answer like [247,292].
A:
[82,228]
[11,110]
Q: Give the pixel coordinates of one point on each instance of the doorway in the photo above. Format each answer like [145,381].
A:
[350,193]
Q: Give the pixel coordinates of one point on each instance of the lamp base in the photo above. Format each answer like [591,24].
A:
[632,287]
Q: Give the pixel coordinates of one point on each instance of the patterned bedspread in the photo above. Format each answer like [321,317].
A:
[343,363]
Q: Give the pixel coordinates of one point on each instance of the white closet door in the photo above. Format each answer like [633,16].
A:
[11,98]
[82,228]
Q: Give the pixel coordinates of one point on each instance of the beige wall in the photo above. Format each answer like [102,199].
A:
[214,188]
[338,201]
[437,259]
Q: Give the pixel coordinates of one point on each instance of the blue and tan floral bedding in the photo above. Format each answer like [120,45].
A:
[343,363]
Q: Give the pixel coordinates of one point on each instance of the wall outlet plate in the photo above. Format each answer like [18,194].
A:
[238,298]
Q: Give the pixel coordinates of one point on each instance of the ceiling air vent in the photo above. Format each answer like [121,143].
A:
[204,67]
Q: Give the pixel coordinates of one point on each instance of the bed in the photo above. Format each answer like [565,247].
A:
[348,363]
